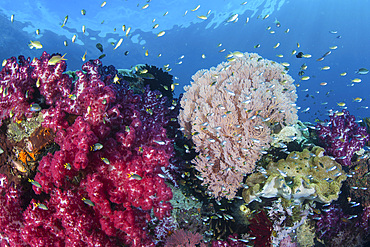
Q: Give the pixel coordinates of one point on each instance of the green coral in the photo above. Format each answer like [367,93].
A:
[17,131]
[302,175]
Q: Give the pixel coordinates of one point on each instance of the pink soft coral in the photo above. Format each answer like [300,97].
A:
[184,239]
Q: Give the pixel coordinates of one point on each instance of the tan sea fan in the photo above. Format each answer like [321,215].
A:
[229,112]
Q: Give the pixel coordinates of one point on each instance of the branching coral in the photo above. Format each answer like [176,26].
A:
[229,111]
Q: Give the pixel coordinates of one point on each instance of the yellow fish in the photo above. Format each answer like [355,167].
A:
[202,17]
[56,59]
[103,4]
[155,26]
[83,29]
[84,56]
[196,8]
[357,99]
[294,52]
[116,79]
[298,45]
[325,68]
[341,104]
[118,44]
[165,13]
[203,56]
[161,33]
[305,78]
[124,28]
[74,38]
[12,18]
[127,31]
[323,83]
[38,31]
[277,45]
[285,64]
[343,74]
[145,6]
[357,80]
[237,54]
[333,47]
[306,55]
[35,44]
[65,21]
[146,53]
[280,55]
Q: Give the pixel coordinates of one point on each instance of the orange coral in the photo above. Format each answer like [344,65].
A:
[26,156]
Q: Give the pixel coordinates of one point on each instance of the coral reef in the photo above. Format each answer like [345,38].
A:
[184,238]
[358,182]
[230,111]
[302,175]
[306,235]
[341,136]
[104,182]
[261,229]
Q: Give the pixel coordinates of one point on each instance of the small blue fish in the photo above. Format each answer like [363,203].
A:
[160,142]
[96,147]
[40,205]
[35,107]
[37,184]
[88,202]
[67,166]
[352,216]
[105,160]
[134,176]
[331,169]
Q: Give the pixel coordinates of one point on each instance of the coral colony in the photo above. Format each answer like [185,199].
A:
[106,157]
[342,137]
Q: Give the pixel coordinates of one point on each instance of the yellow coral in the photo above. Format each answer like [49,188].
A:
[302,175]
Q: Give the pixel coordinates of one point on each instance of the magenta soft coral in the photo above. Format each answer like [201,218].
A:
[342,137]
[10,215]
[16,89]
[122,180]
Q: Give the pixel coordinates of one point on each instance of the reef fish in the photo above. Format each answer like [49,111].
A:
[118,44]
[100,47]
[161,33]
[362,71]
[35,44]
[232,18]
[65,21]
[56,59]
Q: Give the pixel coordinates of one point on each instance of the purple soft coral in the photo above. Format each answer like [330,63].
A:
[341,137]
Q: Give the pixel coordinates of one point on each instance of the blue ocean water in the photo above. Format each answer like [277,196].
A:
[316,25]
